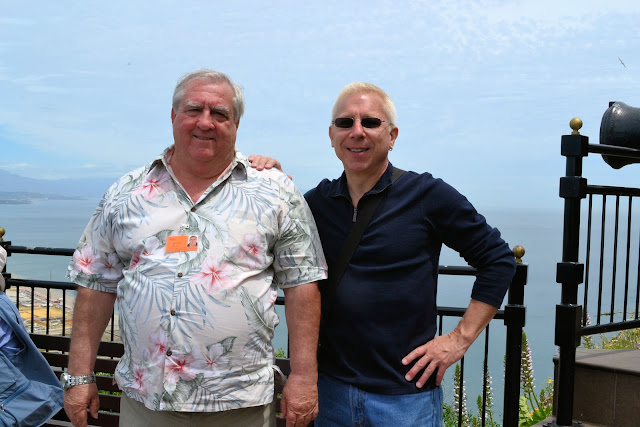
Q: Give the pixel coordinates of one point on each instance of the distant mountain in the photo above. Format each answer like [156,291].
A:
[56,188]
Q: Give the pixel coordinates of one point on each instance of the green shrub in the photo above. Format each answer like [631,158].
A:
[533,407]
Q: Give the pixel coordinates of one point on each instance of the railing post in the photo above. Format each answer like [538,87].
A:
[570,273]
[514,320]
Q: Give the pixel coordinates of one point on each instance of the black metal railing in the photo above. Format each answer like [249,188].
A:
[51,315]
[609,264]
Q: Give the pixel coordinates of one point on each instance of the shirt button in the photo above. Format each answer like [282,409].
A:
[179,274]
[169,352]
[193,209]
[173,311]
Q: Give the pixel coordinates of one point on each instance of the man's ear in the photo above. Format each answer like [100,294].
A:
[331,134]
[173,115]
[394,135]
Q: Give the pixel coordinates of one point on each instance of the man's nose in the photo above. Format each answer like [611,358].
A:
[205,121]
[357,130]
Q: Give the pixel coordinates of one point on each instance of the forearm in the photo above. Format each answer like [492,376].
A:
[91,314]
[474,321]
[302,309]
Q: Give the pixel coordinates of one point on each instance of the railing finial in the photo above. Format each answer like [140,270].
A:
[518,251]
[575,124]
[1,233]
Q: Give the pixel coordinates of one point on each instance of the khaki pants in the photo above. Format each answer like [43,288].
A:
[135,414]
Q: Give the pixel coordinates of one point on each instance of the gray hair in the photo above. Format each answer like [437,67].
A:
[214,77]
[363,87]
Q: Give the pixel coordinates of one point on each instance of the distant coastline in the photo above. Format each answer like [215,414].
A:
[24,197]
[15,189]
[15,202]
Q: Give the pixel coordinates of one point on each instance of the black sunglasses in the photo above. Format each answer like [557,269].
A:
[367,122]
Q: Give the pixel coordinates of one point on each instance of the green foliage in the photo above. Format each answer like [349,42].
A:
[626,339]
[280,353]
[629,338]
[449,416]
[450,412]
[534,407]
[531,415]
[524,417]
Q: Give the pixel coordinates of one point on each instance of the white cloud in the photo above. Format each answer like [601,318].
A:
[15,166]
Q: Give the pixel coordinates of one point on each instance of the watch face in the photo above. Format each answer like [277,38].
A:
[63,380]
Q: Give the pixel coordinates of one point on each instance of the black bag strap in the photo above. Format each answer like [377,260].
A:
[365,213]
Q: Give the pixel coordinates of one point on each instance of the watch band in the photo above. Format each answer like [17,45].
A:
[68,381]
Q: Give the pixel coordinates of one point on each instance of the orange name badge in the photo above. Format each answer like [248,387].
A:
[182,243]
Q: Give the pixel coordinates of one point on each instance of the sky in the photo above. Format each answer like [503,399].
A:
[484,90]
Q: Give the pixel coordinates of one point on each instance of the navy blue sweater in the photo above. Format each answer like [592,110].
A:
[385,305]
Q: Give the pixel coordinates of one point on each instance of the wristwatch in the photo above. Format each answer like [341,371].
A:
[69,381]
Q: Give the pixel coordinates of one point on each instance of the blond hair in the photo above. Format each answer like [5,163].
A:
[363,87]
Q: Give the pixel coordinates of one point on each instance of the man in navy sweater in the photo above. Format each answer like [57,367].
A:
[380,361]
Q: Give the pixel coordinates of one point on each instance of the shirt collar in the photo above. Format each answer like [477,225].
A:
[238,168]
[339,187]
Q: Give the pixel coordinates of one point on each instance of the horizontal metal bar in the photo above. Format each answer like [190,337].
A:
[612,191]
[39,250]
[609,327]
[48,284]
[612,150]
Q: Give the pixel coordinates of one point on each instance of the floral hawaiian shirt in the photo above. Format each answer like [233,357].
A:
[197,323]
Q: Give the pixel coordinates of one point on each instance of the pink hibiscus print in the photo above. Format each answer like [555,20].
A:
[214,276]
[158,347]
[135,260]
[214,359]
[110,267]
[251,250]
[153,185]
[151,249]
[84,260]
[139,374]
[178,367]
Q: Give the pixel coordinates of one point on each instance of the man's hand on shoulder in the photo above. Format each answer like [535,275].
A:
[262,162]
[299,404]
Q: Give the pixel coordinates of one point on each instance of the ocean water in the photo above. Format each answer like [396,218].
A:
[60,223]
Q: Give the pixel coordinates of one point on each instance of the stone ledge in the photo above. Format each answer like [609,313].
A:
[617,361]
[605,387]
[548,423]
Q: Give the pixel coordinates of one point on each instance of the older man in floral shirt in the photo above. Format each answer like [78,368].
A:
[197,321]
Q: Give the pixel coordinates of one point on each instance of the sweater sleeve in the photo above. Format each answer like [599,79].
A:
[463,229]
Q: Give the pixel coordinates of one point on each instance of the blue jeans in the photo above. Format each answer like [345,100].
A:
[344,405]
